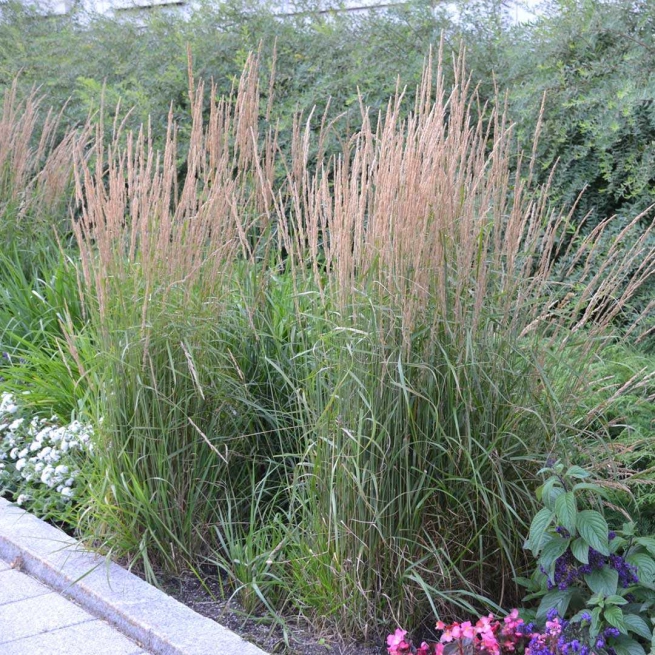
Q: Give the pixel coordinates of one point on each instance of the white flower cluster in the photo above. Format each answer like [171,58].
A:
[7,405]
[39,452]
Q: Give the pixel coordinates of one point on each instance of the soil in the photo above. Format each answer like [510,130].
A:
[207,598]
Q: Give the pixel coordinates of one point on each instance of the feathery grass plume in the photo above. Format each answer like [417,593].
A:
[135,211]
[425,206]
[38,278]
[373,352]
[35,175]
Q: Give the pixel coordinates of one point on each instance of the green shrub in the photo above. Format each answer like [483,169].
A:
[586,573]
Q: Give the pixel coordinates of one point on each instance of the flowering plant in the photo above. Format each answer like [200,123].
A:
[39,459]
[595,585]
[493,636]
[585,570]
[512,636]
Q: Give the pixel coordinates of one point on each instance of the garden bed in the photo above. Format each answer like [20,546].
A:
[333,361]
[207,598]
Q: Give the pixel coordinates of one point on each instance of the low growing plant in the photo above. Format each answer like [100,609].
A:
[493,636]
[595,585]
[586,571]
[40,460]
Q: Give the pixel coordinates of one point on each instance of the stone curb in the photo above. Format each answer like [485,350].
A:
[138,610]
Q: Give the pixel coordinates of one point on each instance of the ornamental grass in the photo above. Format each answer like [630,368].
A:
[334,376]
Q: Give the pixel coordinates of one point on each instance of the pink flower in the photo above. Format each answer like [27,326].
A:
[396,642]
[484,623]
[488,636]
[512,617]
[455,630]
[489,643]
[554,627]
[450,632]
[468,631]
[512,622]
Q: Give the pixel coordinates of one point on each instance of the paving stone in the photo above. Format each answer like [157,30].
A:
[15,586]
[159,623]
[93,637]
[33,616]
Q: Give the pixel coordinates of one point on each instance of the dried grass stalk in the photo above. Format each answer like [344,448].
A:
[423,207]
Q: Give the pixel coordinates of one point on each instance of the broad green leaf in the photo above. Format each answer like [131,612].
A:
[543,518]
[637,625]
[594,628]
[614,616]
[616,600]
[627,646]
[645,567]
[604,581]
[596,599]
[558,599]
[550,491]
[592,527]
[648,543]
[577,472]
[580,550]
[628,529]
[566,511]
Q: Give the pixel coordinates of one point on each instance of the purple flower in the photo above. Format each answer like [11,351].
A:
[552,614]
[627,572]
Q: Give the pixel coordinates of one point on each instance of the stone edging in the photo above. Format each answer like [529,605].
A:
[140,611]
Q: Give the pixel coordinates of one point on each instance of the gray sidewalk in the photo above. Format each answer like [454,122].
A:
[34,620]
[58,599]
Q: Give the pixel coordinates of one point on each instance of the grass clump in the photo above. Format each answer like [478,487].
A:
[336,380]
